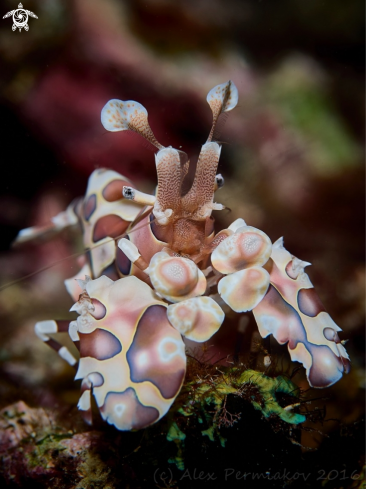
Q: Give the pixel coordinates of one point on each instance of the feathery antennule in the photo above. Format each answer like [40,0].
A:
[219,128]
[118,115]
[222,98]
[199,198]
[168,200]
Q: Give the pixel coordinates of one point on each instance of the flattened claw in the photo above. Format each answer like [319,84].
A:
[197,319]
[247,247]
[243,290]
[292,311]
[176,278]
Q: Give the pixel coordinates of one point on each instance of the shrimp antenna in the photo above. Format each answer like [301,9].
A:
[221,98]
[74,255]
[119,115]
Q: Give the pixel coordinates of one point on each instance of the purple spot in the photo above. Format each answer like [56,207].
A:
[100,309]
[288,325]
[89,206]
[158,231]
[124,410]
[99,344]
[110,272]
[326,367]
[111,225]
[113,191]
[94,379]
[331,335]
[144,355]
[309,302]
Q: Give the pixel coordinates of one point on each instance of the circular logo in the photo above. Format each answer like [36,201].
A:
[20,18]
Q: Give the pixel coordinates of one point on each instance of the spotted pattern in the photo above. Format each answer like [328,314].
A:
[146,242]
[155,353]
[104,214]
[309,302]
[203,187]
[100,344]
[118,115]
[293,313]
[99,309]
[149,358]
[221,236]
[274,315]
[188,236]
[325,365]
[135,384]
[168,171]
[222,98]
[289,327]
[113,191]
[125,411]
[112,226]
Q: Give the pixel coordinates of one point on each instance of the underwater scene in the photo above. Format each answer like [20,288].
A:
[182,287]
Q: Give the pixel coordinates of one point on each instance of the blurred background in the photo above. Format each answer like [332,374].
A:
[292,157]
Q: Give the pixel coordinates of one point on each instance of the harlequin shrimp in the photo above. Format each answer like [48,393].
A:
[157,271]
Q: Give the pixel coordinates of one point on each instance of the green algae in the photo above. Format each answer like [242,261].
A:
[176,435]
[199,396]
[267,387]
